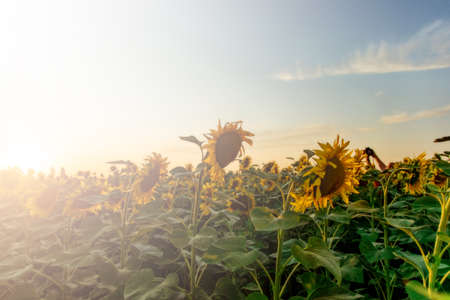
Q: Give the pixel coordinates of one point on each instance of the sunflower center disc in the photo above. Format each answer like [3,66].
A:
[333,179]
[227,148]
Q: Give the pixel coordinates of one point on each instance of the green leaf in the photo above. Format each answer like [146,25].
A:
[400,223]
[444,166]
[316,254]
[191,139]
[144,286]
[339,216]
[256,296]
[231,243]
[200,294]
[107,271]
[334,293]
[352,270]
[427,203]
[236,260]
[204,238]
[362,206]
[179,238]
[226,288]
[416,291]
[444,237]
[264,220]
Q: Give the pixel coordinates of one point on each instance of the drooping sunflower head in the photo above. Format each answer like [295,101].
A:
[335,173]
[224,145]
[246,163]
[153,171]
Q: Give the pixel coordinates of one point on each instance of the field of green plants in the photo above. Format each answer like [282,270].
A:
[328,226]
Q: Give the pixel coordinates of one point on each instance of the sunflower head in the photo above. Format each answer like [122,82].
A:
[235,183]
[414,177]
[271,167]
[246,163]
[153,171]
[209,191]
[242,204]
[438,177]
[269,185]
[205,208]
[224,145]
[335,173]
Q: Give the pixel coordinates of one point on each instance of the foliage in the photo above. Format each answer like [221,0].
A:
[258,232]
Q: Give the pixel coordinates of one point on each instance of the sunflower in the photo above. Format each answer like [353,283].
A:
[153,171]
[271,167]
[242,204]
[246,163]
[205,208]
[415,177]
[44,204]
[235,183]
[268,184]
[438,177]
[224,145]
[360,157]
[209,191]
[302,202]
[302,162]
[334,175]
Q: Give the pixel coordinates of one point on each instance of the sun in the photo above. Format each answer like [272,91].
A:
[26,156]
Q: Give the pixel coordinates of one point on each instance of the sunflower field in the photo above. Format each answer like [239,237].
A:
[330,225]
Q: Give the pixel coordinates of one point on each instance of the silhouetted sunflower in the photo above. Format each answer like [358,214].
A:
[153,171]
[224,145]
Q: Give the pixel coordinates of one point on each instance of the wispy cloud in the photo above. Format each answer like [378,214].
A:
[428,49]
[423,114]
[379,94]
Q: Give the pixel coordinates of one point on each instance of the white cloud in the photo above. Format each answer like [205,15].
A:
[428,49]
[379,94]
[423,114]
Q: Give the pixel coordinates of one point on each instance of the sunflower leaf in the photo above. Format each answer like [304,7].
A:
[264,220]
[191,139]
[316,254]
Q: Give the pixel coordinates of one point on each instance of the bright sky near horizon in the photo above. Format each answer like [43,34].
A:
[84,82]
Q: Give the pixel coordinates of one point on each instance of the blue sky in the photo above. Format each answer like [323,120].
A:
[84,82]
